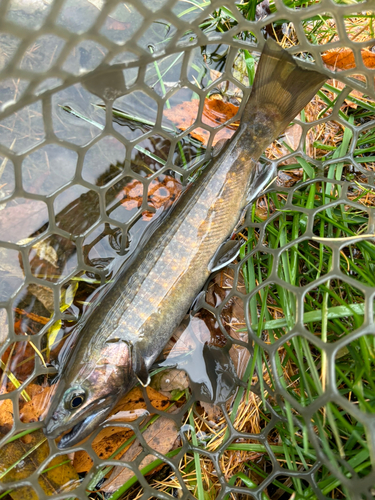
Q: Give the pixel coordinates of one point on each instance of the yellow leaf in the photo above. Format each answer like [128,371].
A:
[51,335]
[67,297]
[30,451]
[43,250]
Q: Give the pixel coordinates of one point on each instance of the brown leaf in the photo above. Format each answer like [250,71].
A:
[355,93]
[233,316]
[344,58]
[55,480]
[293,135]
[34,317]
[215,112]
[3,326]
[368,58]
[117,436]
[170,380]
[160,193]
[134,400]
[44,294]
[6,415]
[37,408]
[111,438]
[160,436]
[213,411]
[339,58]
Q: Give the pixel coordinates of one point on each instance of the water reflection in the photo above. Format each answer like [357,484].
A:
[212,349]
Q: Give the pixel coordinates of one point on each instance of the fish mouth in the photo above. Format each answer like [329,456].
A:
[70,439]
[79,431]
[83,429]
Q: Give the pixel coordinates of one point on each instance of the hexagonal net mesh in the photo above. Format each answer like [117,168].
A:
[82,172]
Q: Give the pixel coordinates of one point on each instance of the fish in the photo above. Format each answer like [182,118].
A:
[134,319]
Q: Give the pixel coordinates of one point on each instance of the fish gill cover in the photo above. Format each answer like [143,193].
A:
[285,332]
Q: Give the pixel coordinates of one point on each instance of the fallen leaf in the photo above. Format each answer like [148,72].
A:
[215,112]
[355,93]
[344,58]
[44,294]
[160,193]
[293,135]
[214,74]
[111,438]
[104,449]
[368,58]
[3,326]
[37,408]
[134,400]
[339,58]
[43,250]
[34,317]
[160,436]
[6,416]
[170,380]
[30,451]
[213,412]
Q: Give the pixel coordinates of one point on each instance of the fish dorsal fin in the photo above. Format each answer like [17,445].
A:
[139,367]
[225,254]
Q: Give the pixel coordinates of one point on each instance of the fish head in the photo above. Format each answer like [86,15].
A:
[87,392]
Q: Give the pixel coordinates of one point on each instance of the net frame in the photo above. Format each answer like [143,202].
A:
[359,488]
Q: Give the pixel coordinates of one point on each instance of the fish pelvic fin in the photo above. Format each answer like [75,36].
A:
[282,88]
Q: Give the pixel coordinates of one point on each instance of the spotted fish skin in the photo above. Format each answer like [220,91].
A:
[132,323]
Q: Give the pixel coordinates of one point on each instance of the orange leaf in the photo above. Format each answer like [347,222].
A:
[160,436]
[34,317]
[215,112]
[344,58]
[6,415]
[37,408]
[368,58]
[32,450]
[160,193]
[111,438]
[339,58]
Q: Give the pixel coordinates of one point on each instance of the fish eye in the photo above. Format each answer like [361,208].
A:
[75,400]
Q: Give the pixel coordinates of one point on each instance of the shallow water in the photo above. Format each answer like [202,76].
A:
[75,211]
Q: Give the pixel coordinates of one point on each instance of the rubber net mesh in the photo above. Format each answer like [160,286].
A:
[90,148]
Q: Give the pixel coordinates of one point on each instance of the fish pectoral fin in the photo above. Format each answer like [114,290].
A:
[262,177]
[140,368]
[144,382]
[198,303]
[219,146]
[225,254]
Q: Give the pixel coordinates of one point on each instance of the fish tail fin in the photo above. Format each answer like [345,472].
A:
[281,89]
